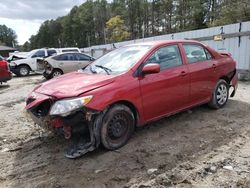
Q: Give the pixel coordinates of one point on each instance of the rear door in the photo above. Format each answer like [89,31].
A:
[202,69]
[167,91]
[83,60]
[67,62]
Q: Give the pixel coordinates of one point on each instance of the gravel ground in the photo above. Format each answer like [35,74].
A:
[197,148]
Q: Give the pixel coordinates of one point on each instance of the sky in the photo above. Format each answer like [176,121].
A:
[26,16]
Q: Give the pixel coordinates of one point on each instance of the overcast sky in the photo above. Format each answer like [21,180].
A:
[25,16]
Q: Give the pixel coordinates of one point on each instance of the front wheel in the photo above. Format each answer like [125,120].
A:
[23,70]
[117,127]
[220,95]
[56,73]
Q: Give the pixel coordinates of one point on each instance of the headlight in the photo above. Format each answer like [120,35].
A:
[65,107]
[12,64]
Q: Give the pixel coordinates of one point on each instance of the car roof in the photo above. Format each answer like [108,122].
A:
[162,42]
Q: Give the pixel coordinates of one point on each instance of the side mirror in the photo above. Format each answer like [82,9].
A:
[151,68]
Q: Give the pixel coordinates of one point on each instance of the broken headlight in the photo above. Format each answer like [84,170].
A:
[67,106]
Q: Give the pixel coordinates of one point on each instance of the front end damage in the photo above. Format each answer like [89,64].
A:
[80,126]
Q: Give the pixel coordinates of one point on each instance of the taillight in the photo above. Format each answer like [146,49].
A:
[6,65]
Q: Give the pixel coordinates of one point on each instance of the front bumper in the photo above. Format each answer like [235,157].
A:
[14,69]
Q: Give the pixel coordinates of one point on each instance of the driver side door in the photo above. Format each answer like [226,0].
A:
[165,92]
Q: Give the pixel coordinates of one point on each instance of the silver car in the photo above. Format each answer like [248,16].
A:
[64,63]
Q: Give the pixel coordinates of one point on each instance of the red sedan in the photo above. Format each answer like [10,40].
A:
[5,73]
[129,87]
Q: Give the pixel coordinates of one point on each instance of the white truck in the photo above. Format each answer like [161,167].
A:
[22,66]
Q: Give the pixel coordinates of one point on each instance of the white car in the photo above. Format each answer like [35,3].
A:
[64,63]
[21,66]
[72,49]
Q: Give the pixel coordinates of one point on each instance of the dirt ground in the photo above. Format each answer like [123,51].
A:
[197,148]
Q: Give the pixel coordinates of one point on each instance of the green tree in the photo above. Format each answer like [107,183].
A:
[8,36]
[116,29]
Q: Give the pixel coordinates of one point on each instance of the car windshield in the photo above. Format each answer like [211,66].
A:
[118,61]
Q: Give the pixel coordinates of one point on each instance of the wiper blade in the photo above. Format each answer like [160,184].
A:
[107,70]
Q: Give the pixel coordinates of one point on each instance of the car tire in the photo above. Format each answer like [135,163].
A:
[220,95]
[47,76]
[23,70]
[56,73]
[117,127]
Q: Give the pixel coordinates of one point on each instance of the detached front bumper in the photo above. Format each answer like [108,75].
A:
[234,84]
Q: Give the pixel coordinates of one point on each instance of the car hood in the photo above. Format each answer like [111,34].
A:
[74,84]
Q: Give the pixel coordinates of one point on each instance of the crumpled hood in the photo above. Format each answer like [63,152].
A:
[73,84]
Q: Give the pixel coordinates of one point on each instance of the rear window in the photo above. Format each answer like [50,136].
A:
[82,57]
[70,50]
[196,53]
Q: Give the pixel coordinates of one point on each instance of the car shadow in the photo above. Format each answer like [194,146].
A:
[162,144]
[4,86]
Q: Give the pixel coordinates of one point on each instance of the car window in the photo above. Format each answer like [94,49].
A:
[70,50]
[1,58]
[65,57]
[196,53]
[82,57]
[51,52]
[167,57]
[39,53]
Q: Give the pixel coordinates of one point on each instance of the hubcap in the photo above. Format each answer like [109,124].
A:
[55,74]
[222,94]
[117,127]
[23,71]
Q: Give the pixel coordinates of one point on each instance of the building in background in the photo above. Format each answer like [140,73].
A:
[5,51]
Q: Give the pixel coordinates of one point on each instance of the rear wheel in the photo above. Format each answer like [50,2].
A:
[56,73]
[117,127]
[23,70]
[220,95]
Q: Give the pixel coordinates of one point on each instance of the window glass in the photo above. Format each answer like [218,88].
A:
[65,57]
[70,50]
[167,57]
[119,60]
[39,53]
[51,52]
[196,53]
[82,57]
[1,58]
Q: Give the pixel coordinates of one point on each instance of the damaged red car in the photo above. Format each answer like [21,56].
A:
[129,87]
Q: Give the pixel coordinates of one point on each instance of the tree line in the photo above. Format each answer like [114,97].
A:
[100,21]
[8,36]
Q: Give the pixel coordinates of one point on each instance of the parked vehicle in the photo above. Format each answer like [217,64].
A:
[22,66]
[63,63]
[63,50]
[129,87]
[5,73]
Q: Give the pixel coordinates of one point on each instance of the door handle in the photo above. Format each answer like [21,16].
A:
[183,73]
